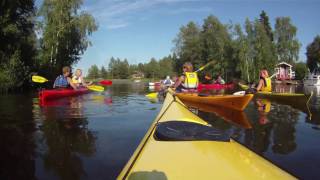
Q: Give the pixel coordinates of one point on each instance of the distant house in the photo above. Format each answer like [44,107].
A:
[137,75]
[284,71]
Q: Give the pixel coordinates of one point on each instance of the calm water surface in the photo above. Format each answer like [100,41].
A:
[94,135]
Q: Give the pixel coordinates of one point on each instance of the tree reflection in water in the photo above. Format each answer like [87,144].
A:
[67,139]
[17,146]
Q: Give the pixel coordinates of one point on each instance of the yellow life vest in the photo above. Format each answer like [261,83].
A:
[191,80]
[76,80]
[267,85]
[266,105]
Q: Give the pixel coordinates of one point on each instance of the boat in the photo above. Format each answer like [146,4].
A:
[180,145]
[215,86]
[312,79]
[154,83]
[235,102]
[239,118]
[46,95]
[288,98]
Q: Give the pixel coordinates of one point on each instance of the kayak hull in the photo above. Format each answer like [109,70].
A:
[283,98]
[215,86]
[203,159]
[47,95]
[235,102]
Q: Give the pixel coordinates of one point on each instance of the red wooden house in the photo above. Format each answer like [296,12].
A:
[284,71]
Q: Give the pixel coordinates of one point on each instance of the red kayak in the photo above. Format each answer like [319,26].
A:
[215,86]
[52,94]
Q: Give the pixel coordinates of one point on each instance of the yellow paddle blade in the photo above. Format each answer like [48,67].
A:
[152,95]
[243,86]
[39,79]
[95,88]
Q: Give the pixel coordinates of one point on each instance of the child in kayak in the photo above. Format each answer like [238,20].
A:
[219,80]
[78,79]
[264,82]
[64,81]
[188,81]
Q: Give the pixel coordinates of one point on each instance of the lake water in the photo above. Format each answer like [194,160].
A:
[93,136]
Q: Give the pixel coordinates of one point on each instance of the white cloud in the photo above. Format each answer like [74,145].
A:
[114,14]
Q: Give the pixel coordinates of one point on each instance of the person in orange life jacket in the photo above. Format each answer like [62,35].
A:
[78,79]
[64,81]
[188,81]
[264,82]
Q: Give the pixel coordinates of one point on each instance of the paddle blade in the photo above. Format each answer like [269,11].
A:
[39,79]
[152,95]
[106,82]
[95,88]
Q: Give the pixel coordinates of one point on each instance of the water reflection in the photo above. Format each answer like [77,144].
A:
[64,129]
[17,146]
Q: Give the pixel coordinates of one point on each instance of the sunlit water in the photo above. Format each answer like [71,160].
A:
[93,136]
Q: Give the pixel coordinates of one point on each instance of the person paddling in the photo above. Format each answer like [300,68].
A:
[64,81]
[264,82]
[78,79]
[188,81]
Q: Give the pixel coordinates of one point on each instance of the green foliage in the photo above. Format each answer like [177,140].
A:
[103,73]
[264,49]
[313,54]
[188,46]
[287,45]
[301,70]
[118,69]
[17,37]
[65,30]
[93,72]
[264,20]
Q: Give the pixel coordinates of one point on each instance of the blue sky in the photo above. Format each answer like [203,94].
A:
[141,29]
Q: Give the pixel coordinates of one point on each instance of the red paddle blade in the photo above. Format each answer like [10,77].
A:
[106,82]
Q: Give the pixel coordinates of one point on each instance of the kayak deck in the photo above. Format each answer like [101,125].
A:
[236,102]
[203,159]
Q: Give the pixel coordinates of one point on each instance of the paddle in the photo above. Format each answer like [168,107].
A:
[106,82]
[154,94]
[40,79]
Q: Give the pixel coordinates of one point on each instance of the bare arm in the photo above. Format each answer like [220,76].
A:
[84,82]
[261,83]
[179,81]
[74,86]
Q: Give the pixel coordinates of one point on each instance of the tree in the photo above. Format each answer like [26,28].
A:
[287,45]
[241,47]
[215,41]
[93,72]
[187,46]
[313,54]
[18,43]
[65,30]
[301,70]
[264,20]
[103,73]
[264,49]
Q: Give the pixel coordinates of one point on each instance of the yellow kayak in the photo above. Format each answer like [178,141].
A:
[170,150]
[283,98]
[236,102]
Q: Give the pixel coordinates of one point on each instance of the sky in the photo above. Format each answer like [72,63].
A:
[141,29]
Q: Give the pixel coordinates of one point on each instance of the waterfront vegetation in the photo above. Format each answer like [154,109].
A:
[42,41]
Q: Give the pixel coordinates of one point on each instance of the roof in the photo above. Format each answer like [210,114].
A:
[284,63]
